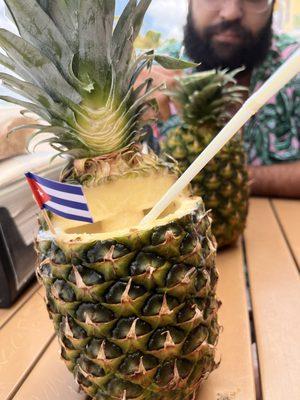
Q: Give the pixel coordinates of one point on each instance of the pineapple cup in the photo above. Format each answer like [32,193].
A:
[134,307]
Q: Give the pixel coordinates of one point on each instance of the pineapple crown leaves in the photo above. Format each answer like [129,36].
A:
[77,71]
[206,96]
[131,162]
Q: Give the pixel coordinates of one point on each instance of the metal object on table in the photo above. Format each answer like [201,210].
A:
[16,260]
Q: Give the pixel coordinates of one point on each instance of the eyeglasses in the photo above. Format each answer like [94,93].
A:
[251,6]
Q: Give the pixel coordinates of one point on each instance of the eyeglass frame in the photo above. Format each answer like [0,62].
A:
[269,2]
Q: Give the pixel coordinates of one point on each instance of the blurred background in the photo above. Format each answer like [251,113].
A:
[168,17]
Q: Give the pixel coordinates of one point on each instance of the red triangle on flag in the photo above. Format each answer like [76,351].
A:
[41,197]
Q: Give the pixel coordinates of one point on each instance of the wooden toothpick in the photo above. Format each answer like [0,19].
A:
[49,223]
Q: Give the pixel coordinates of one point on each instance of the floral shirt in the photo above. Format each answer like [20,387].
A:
[273,134]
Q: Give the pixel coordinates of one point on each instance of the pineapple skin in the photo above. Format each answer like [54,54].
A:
[136,316]
[224,182]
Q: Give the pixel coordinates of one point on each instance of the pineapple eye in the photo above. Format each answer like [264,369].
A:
[112,351]
[57,255]
[64,291]
[189,244]
[95,312]
[154,304]
[116,387]
[211,306]
[195,339]
[105,250]
[202,226]
[176,274]
[45,270]
[165,374]
[158,339]
[165,233]
[115,293]
[186,313]
[202,280]
[77,331]
[144,261]
[89,276]
[90,367]
[68,343]
[124,325]
[82,380]
[132,362]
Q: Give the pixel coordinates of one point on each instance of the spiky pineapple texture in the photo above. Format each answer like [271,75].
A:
[223,183]
[78,71]
[136,315]
[206,100]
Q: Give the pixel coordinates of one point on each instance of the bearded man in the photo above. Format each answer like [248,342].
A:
[235,33]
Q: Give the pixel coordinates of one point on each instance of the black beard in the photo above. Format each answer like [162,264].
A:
[250,53]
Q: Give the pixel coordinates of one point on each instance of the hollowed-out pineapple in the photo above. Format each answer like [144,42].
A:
[134,307]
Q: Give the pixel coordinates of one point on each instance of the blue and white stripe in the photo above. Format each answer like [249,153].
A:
[67,201]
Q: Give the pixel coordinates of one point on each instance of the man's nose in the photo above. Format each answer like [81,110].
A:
[232,10]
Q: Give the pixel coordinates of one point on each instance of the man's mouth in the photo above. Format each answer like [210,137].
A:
[229,36]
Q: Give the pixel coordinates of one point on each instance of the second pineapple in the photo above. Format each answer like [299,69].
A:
[207,100]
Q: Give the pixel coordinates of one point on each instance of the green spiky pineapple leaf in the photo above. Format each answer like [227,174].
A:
[173,63]
[78,71]
[36,27]
[65,16]
[37,95]
[95,30]
[36,66]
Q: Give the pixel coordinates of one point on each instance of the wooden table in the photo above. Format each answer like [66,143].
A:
[259,346]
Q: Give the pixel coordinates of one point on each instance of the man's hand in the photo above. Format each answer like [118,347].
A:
[161,75]
[279,180]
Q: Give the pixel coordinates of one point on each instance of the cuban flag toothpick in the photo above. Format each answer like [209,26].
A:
[67,201]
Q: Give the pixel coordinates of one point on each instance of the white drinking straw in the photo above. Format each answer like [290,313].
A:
[276,82]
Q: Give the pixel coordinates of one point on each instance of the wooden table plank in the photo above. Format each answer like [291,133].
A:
[50,379]
[288,212]
[7,313]
[234,380]
[274,284]
[23,339]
